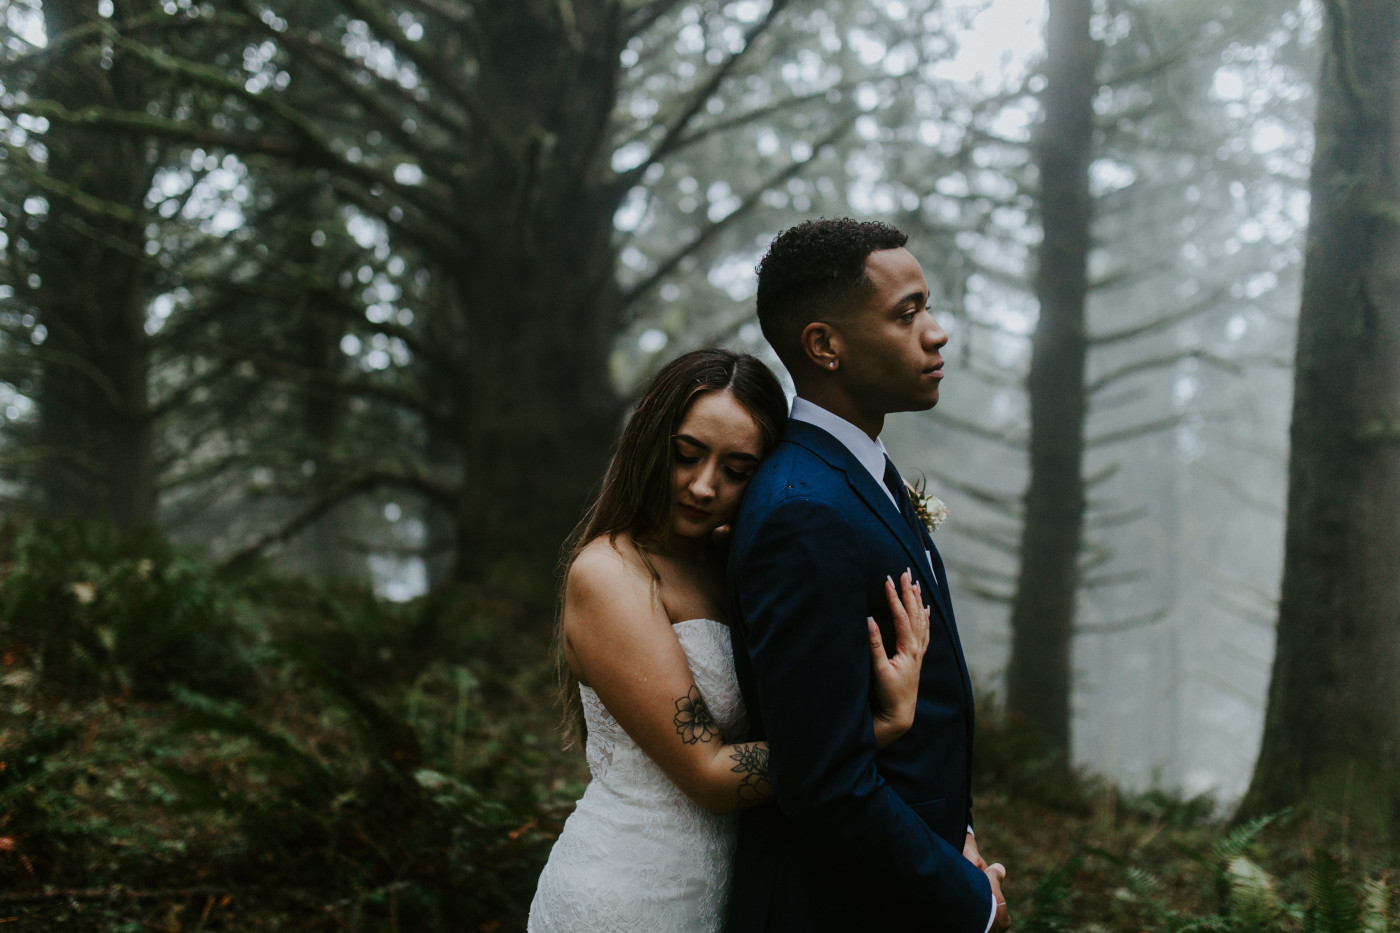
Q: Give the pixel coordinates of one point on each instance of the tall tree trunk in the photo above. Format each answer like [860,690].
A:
[538,303]
[1332,731]
[1038,675]
[324,550]
[94,421]
[540,412]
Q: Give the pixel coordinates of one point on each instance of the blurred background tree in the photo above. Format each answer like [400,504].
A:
[479,155]
[362,288]
[1332,732]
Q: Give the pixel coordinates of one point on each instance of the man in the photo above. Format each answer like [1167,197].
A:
[861,839]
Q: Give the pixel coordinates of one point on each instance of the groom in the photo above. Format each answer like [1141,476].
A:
[861,839]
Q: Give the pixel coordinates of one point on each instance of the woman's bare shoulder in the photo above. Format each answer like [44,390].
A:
[607,564]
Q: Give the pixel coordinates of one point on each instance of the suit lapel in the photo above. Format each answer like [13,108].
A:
[875,497]
[917,545]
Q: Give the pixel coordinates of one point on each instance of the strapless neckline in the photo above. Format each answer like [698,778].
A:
[723,625]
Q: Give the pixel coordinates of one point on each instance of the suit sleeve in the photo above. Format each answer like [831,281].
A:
[802,599]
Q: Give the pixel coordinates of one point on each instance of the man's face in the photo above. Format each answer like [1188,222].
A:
[889,358]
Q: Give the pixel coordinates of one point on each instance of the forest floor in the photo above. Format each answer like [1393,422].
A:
[381,767]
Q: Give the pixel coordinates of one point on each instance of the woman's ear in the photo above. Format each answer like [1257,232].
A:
[821,344]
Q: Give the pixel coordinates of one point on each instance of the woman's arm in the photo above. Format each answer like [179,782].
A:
[620,643]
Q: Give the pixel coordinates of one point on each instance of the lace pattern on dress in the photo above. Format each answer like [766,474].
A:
[637,854]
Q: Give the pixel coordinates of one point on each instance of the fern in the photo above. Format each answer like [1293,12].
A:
[1241,836]
[1049,902]
[1333,906]
[1253,903]
[1375,913]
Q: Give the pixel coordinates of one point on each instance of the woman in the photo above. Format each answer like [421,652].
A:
[647,663]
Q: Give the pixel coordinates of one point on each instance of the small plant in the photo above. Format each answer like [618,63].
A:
[1248,899]
[1050,901]
[1337,905]
[134,618]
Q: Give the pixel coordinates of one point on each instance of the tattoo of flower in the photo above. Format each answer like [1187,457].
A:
[752,762]
[693,720]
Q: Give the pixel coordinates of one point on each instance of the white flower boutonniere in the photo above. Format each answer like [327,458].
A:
[930,509]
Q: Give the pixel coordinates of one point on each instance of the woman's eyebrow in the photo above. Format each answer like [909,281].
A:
[735,455]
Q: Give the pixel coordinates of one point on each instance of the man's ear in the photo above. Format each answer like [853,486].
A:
[821,344]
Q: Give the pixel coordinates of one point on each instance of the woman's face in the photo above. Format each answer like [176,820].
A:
[717,447]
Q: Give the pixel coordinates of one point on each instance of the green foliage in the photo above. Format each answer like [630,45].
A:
[365,811]
[137,617]
[395,767]
[1173,809]
[1249,899]
[1334,906]
[32,798]
[1050,902]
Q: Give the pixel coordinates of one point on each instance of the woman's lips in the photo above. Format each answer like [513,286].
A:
[691,511]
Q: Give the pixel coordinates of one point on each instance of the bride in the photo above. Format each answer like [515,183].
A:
[648,670]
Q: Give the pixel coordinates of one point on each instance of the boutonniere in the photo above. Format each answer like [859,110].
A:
[930,509]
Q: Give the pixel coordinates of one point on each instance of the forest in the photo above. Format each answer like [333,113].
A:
[319,318]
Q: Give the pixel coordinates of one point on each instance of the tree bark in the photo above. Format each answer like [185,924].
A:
[1038,675]
[538,411]
[1332,730]
[534,298]
[94,423]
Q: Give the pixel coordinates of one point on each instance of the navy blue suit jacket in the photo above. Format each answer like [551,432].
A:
[859,839]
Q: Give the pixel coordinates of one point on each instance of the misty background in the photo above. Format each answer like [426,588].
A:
[359,290]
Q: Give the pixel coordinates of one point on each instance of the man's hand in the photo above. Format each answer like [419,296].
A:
[971,854]
[1001,922]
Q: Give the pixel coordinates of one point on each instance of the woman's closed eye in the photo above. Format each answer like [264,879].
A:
[739,476]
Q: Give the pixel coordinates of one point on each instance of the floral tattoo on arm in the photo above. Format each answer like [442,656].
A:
[693,720]
[751,761]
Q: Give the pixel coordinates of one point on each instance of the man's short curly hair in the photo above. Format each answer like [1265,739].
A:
[816,271]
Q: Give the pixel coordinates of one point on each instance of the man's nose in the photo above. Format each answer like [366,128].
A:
[934,335]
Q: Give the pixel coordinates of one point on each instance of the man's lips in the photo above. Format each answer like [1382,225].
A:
[935,372]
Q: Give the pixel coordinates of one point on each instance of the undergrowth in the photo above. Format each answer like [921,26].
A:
[183,752]
[186,752]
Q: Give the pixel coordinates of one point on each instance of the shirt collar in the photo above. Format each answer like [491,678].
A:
[870,453]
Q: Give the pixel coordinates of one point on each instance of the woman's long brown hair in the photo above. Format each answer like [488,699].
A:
[636,494]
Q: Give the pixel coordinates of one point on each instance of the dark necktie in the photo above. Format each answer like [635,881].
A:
[901,497]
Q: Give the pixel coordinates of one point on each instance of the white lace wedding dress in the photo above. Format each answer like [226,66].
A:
[637,854]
